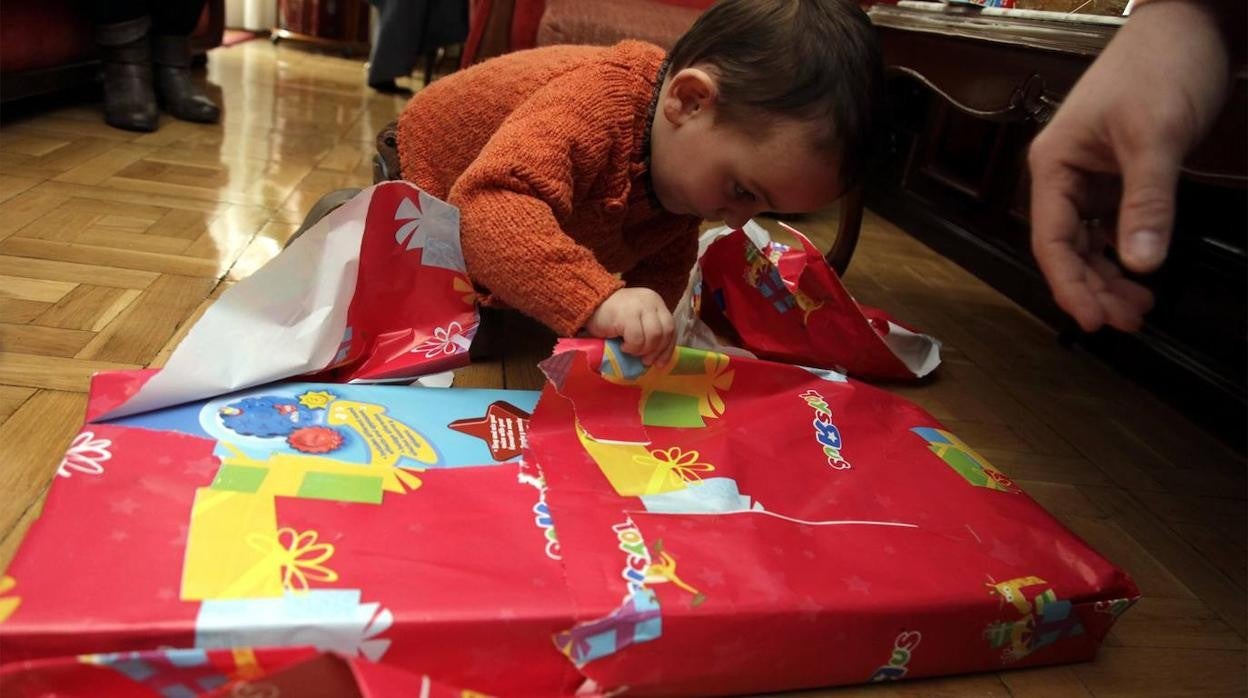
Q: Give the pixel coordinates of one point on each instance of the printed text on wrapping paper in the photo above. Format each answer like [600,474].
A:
[504,433]
[638,561]
[383,437]
[826,433]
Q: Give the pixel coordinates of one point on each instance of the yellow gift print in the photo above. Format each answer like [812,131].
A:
[234,550]
[635,470]
[8,604]
[219,565]
[299,556]
[684,392]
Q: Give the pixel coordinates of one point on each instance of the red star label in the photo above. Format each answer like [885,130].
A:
[504,429]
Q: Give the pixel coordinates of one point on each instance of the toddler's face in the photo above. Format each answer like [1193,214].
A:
[719,172]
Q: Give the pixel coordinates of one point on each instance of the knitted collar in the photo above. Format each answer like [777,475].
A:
[645,144]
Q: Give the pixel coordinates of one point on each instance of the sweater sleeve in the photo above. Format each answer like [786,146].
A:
[513,197]
[666,272]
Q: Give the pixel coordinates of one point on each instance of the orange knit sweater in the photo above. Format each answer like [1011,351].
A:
[543,151]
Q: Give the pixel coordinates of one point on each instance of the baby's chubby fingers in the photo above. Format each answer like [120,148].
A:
[656,336]
[633,334]
[663,331]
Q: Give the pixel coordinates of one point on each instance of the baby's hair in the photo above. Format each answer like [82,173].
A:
[816,61]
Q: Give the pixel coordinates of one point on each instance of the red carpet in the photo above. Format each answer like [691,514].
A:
[237,36]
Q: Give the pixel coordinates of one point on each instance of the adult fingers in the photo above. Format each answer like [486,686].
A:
[1146,213]
[1055,229]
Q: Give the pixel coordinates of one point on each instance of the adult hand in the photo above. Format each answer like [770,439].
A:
[1111,155]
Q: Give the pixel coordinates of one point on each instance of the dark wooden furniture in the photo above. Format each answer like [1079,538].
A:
[966,95]
[338,26]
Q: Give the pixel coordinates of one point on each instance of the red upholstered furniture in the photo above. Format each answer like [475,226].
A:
[606,22]
[48,45]
[499,26]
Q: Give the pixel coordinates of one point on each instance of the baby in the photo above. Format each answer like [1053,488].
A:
[582,173]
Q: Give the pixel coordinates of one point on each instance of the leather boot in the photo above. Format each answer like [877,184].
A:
[323,207]
[129,102]
[178,93]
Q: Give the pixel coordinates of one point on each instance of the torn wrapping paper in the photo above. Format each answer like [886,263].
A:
[713,525]
[767,517]
[786,304]
[376,290]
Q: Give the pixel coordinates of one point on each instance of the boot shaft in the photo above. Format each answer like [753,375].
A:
[172,51]
[125,42]
[126,54]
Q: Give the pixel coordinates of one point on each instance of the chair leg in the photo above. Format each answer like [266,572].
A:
[847,231]
[386,161]
[431,61]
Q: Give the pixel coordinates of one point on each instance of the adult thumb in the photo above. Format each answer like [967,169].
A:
[1146,213]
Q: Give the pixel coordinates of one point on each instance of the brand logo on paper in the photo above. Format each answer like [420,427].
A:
[826,432]
[899,661]
[541,514]
[638,561]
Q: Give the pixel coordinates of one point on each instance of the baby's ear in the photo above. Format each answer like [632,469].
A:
[690,93]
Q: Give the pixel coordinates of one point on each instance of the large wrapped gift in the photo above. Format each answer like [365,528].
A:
[786,304]
[712,525]
[767,518]
[343,518]
[375,291]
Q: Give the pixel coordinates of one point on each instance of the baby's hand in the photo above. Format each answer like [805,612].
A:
[641,318]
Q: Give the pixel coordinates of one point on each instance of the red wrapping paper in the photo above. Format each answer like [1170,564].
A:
[786,304]
[414,309]
[714,525]
[842,532]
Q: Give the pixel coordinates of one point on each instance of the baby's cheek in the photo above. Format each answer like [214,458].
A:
[709,199]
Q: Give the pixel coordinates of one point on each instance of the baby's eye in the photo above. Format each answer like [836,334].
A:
[741,192]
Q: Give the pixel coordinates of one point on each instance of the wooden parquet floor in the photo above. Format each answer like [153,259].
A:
[112,242]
